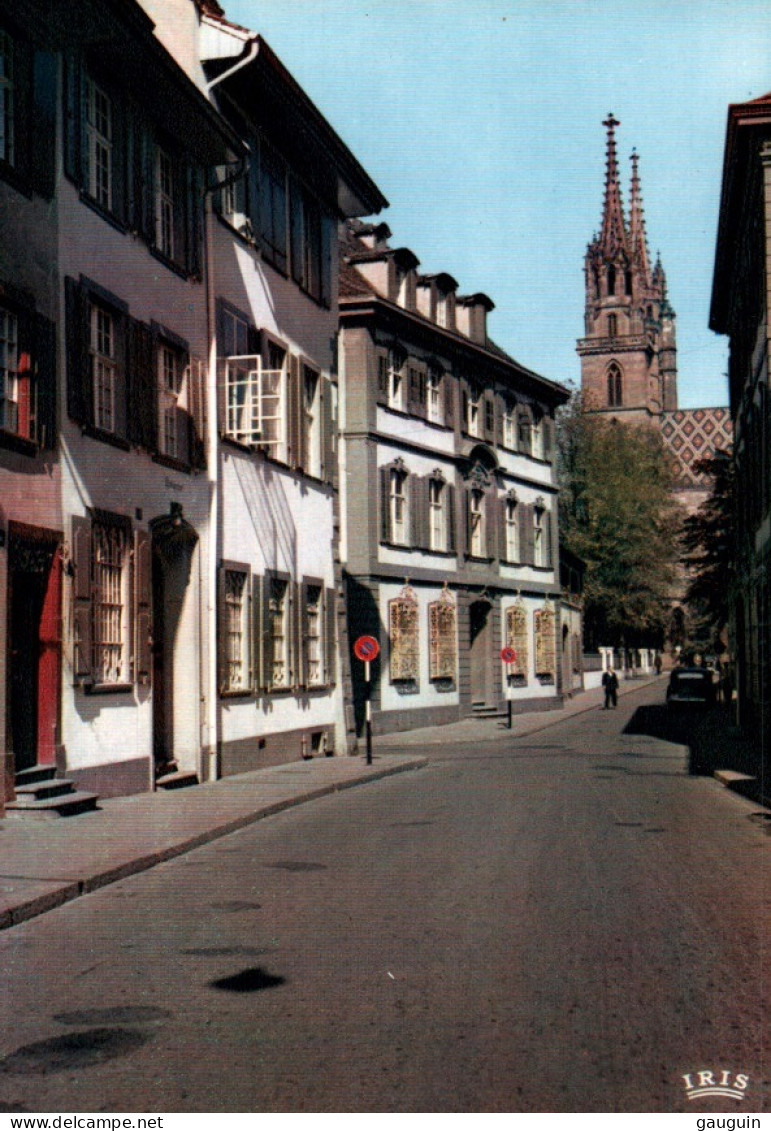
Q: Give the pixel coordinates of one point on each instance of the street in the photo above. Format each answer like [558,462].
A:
[569,922]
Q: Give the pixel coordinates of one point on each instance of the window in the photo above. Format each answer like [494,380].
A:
[516,638]
[173,408]
[510,426]
[539,545]
[512,531]
[310,233]
[395,381]
[109,575]
[611,280]
[279,634]
[236,631]
[104,368]
[442,638]
[404,639]
[612,325]
[256,404]
[615,388]
[435,414]
[437,516]
[164,203]
[477,524]
[536,436]
[474,411]
[524,429]
[398,506]
[99,145]
[273,208]
[314,635]
[545,644]
[9,372]
[7,100]
[311,422]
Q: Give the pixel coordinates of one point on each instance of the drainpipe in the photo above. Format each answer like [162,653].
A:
[211,722]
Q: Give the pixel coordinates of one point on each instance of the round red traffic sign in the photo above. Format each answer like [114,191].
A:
[508,655]
[366,649]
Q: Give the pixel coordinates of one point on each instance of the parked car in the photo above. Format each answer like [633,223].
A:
[691,687]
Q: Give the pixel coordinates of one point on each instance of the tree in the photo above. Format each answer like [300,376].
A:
[617,512]
[708,548]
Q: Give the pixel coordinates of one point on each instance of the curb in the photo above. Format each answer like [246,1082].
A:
[70,890]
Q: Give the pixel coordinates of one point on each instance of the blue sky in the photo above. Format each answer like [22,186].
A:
[480,121]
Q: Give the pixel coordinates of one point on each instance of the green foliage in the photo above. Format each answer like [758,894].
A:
[708,549]
[617,512]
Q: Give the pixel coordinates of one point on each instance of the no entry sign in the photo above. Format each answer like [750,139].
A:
[508,655]
[366,649]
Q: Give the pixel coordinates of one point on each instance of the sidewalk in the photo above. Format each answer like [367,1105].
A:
[46,863]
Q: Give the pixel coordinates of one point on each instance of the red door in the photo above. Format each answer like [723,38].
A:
[49,666]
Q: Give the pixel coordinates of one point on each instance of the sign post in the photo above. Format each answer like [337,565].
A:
[509,657]
[367,649]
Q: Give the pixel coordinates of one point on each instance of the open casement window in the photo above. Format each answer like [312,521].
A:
[234,629]
[27,377]
[111,602]
[442,638]
[544,632]
[404,637]
[256,405]
[516,638]
[174,397]
[435,409]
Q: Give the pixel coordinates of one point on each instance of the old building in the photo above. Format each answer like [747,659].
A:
[273,274]
[741,300]
[448,495]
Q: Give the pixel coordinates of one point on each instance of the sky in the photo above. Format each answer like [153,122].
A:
[481,123]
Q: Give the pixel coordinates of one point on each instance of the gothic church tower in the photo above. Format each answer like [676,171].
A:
[629,353]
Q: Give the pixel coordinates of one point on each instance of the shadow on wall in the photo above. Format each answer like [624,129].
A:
[363,620]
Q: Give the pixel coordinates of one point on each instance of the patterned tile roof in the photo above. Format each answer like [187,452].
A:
[691,434]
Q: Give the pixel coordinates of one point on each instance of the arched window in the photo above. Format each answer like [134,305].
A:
[612,325]
[611,280]
[628,282]
[614,385]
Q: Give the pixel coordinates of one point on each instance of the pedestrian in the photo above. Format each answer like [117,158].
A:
[610,685]
[657,663]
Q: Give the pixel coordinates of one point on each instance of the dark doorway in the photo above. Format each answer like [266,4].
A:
[34,646]
[480,648]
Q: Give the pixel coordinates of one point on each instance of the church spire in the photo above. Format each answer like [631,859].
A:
[613,232]
[638,241]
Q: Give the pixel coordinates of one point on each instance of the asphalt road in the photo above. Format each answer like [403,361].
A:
[568,923]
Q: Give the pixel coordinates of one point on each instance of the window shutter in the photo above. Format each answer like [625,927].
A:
[122,370]
[330,637]
[293,633]
[488,407]
[302,634]
[548,532]
[79,392]
[527,535]
[44,361]
[142,383]
[547,427]
[296,232]
[196,391]
[222,622]
[381,361]
[450,518]
[499,409]
[327,424]
[425,512]
[253,201]
[293,411]
[194,214]
[119,163]
[142,606]
[221,369]
[467,509]
[385,504]
[44,134]
[448,397]
[414,494]
[181,208]
[144,168]
[266,632]
[80,552]
[463,407]
[492,523]
[255,633]
[72,120]
[328,234]
[502,528]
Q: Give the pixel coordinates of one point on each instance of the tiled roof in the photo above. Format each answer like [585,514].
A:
[691,434]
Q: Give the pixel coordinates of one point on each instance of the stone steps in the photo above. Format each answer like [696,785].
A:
[41,796]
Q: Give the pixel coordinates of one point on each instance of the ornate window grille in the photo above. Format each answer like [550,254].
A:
[404,636]
[279,634]
[313,635]
[544,629]
[110,599]
[516,637]
[235,594]
[442,637]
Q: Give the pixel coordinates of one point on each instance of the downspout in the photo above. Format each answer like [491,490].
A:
[212,724]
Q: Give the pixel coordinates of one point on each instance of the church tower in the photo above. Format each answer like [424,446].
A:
[629,353]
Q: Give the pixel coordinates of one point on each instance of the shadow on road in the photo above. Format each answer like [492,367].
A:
[713,740]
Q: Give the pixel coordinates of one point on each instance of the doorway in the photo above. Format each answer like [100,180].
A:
[480,650]
[34,645]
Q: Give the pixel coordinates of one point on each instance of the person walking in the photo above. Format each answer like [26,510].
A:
[610,686]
